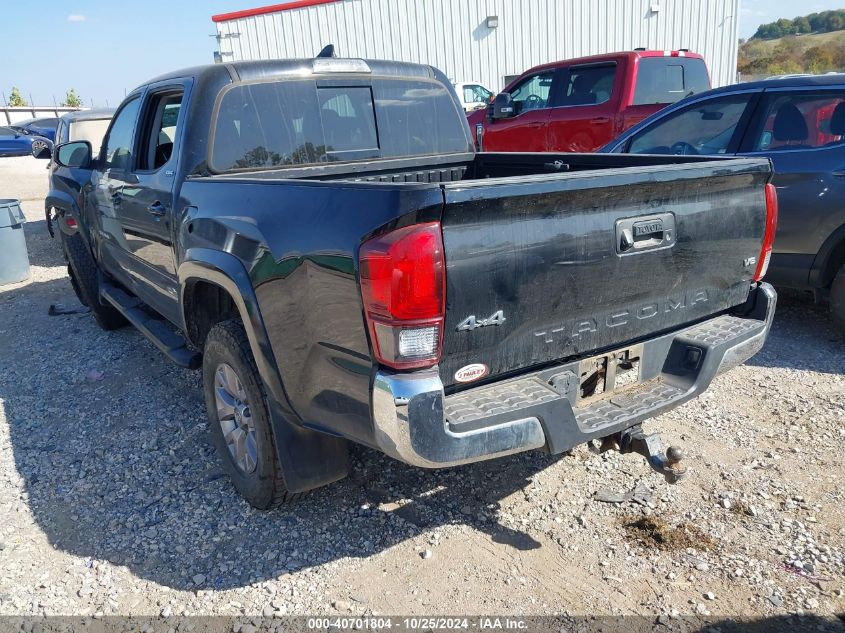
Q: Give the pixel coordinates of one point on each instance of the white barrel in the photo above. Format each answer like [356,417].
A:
[14,260]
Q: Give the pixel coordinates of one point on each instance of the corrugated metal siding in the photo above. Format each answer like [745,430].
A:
[453,36]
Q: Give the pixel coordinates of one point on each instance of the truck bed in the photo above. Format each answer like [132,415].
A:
[535,237]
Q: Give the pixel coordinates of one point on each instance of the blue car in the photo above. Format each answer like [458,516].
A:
[799,124]
[45,127]
[15,143]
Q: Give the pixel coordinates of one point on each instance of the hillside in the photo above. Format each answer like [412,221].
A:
[811,53]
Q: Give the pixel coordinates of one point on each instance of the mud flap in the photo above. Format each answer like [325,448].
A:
[308,459]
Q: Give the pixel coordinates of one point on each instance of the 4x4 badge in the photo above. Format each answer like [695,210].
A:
[470,323]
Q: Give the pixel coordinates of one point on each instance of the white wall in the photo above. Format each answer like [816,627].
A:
[452,34]
[10,115]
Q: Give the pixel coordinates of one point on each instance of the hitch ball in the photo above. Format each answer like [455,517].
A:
[669,463]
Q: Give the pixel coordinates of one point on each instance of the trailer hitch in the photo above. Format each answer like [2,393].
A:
[635,440]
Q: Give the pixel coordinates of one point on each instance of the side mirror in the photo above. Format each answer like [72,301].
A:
[42,150]
[75,155]
[503,107]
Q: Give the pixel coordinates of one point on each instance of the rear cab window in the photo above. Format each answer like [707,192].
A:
[669,79]
[296,122]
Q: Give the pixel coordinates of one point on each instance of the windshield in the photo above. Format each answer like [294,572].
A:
[296,122]
[92,131]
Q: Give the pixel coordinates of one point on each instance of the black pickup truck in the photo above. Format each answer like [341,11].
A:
[320,238]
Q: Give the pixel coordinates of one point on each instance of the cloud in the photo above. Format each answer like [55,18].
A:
[76,17]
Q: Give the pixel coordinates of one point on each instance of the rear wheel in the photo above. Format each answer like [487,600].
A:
[837,299]
[83,277]
[239,418]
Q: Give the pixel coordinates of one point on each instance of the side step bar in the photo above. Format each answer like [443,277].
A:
[172,344]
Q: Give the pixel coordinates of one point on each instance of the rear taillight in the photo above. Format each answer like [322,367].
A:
[769,236]
[404,292]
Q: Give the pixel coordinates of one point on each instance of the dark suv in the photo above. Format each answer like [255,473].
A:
[798,123]
[65,183]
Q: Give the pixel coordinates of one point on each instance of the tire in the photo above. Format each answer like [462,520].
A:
[37,146]
[249,457]
[83,277]
[837,299]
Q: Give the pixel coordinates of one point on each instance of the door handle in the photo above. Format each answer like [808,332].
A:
[839,173]
[600,119]
[157,209]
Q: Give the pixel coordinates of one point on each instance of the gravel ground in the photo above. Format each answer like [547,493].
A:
[113,503]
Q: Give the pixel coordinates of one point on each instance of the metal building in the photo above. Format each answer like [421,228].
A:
[483,40]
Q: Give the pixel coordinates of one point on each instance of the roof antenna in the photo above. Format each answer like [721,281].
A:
[328,51]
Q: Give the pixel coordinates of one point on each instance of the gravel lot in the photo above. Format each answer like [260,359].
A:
[113,503]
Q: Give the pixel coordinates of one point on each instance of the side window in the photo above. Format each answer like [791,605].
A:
[159,130]
[589,85]
[532,93]
[702,128]
[469,94]
[800,120]
[60,132]
[480,94]
[119,142]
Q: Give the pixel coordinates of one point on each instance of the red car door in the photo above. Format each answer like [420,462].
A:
[527,130]
[586,103]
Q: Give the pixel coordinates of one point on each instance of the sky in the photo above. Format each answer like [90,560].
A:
[104,49]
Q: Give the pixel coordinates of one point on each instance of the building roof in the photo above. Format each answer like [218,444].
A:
[273,8]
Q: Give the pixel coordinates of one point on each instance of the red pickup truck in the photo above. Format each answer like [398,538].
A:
[578,105]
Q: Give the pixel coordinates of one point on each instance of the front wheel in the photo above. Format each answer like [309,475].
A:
[837,299]
[82,270]
[239,418]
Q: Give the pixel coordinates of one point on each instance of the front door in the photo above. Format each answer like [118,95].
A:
[527,131]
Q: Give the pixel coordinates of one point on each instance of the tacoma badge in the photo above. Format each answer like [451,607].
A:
[470,323]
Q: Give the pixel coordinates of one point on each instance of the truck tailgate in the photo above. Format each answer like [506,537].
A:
[543,268]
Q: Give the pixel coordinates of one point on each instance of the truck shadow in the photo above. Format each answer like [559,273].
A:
[43,250]
[119,467]
[803,336]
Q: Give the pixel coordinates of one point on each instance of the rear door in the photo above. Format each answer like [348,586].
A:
[528,130]
[802,131]
[537,271]
[586,100]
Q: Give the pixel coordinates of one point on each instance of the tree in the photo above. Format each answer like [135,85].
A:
[801,25]
[15,98]
[72,100]
[834,22]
